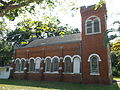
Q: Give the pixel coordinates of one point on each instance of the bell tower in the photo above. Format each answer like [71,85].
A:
[95,57]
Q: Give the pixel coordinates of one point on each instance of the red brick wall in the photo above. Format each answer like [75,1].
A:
[72,78]
[19,75]
[53,50]
[94,44]
[59,50]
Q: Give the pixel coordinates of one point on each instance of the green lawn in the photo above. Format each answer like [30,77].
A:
[12,84]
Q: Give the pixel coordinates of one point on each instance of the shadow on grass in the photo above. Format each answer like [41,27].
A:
[59,85]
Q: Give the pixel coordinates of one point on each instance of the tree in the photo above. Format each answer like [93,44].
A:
[28,30]
[6,52]
[116,46]
[115,64]
[115,56]
[13,5]
[12,8]
[5,47]
[115,50]
[118,22]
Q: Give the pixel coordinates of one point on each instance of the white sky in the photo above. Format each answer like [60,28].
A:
[113,12]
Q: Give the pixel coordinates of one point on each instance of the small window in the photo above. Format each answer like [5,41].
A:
[22,65]
[96,25]
[31,65]
[55,64]
[93,25]
[89,27]
[67,64]
[94,64]
[76,64]
[37,64]
[48,64]
[17,67]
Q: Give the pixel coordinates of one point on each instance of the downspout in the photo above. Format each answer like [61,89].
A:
[81,54]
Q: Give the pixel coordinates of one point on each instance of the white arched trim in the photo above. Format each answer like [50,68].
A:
[17,66]
[17,59]
[57,58]
[88,19]
[37,58]
[94,55]
[23,59]
[66,57]
[76,64]
[46,58]
[76,56]
[37,64]
[32,58]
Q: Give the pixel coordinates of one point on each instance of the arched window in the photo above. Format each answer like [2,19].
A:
[48,64]
[96,25]
[67,64]
[93,25]
[17,67]
[22,64]
[37,64]
[89,26]
[31,67]
[55,64]
[94,64]
[76,64]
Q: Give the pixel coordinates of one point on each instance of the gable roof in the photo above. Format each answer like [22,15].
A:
[55,40]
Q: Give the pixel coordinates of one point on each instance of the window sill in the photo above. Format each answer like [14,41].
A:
[19,72]
[92,33]
[52,72]
[31,72]
[77,73]
[36,72]
[68,73]
[47,72]
[94,73]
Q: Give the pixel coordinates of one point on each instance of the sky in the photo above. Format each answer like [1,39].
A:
[113,13]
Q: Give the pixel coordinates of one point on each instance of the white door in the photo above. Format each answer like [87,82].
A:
[76,64]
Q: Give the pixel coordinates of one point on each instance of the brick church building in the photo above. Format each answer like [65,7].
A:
[80,57]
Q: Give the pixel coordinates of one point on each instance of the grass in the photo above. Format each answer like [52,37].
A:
[12,84]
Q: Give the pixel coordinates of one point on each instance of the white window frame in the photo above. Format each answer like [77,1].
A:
[22,59]
[29,65]
[53,63]
[78,56]
[99,60]
[37,58]
[88,19]
[46,64]
[64,63]
[17,59]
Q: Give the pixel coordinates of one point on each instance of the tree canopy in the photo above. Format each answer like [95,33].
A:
[12,8]
[28,30]
[6,51]
[13,5]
